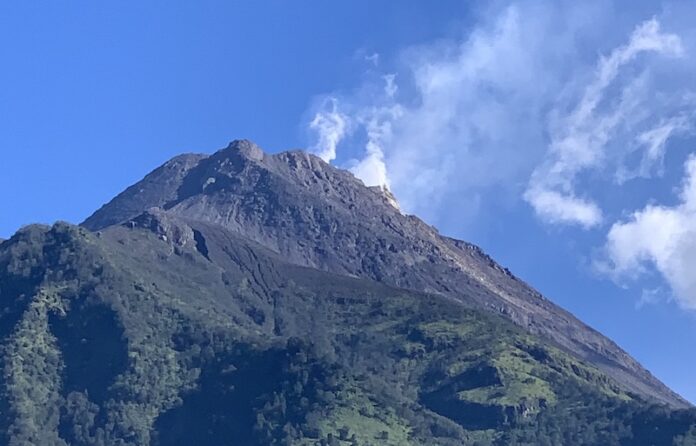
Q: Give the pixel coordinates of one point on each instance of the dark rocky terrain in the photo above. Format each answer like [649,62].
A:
[251,299]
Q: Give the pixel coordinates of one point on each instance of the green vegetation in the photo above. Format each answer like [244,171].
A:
[123,338]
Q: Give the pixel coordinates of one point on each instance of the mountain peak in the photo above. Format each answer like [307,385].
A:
[246,149]
[316,215]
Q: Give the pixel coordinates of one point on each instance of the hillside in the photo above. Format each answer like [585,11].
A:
[168,332]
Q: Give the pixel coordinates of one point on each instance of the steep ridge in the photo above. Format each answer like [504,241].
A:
[315,215]
[168,331]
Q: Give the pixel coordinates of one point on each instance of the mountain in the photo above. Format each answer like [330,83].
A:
[251,299]
[319,216]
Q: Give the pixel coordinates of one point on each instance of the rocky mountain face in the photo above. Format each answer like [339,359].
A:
[318,216]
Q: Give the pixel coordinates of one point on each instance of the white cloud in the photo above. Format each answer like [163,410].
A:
[377,123]
[371,169]
[373,59]
[646,37]
[662,237]
[390,87]
[651,296]
[579,140]
[449,139]
[330,126]
[441,135]
[335,120]
[653,143]
[654,140]
[555,207]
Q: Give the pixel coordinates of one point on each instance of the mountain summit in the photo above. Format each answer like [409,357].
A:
[319,216]
[249,299]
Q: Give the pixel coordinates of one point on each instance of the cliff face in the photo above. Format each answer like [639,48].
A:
[314,215]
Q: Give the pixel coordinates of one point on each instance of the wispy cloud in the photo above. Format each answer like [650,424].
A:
[651,296]
[443,135]
[330,126]
[377,122]
[371,169]
[579,140]
[337,119]
[372,58]
[390,87]
[653,145]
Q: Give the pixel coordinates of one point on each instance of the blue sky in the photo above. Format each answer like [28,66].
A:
[556,135]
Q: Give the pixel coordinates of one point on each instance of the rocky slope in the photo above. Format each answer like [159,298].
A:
[315,215]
